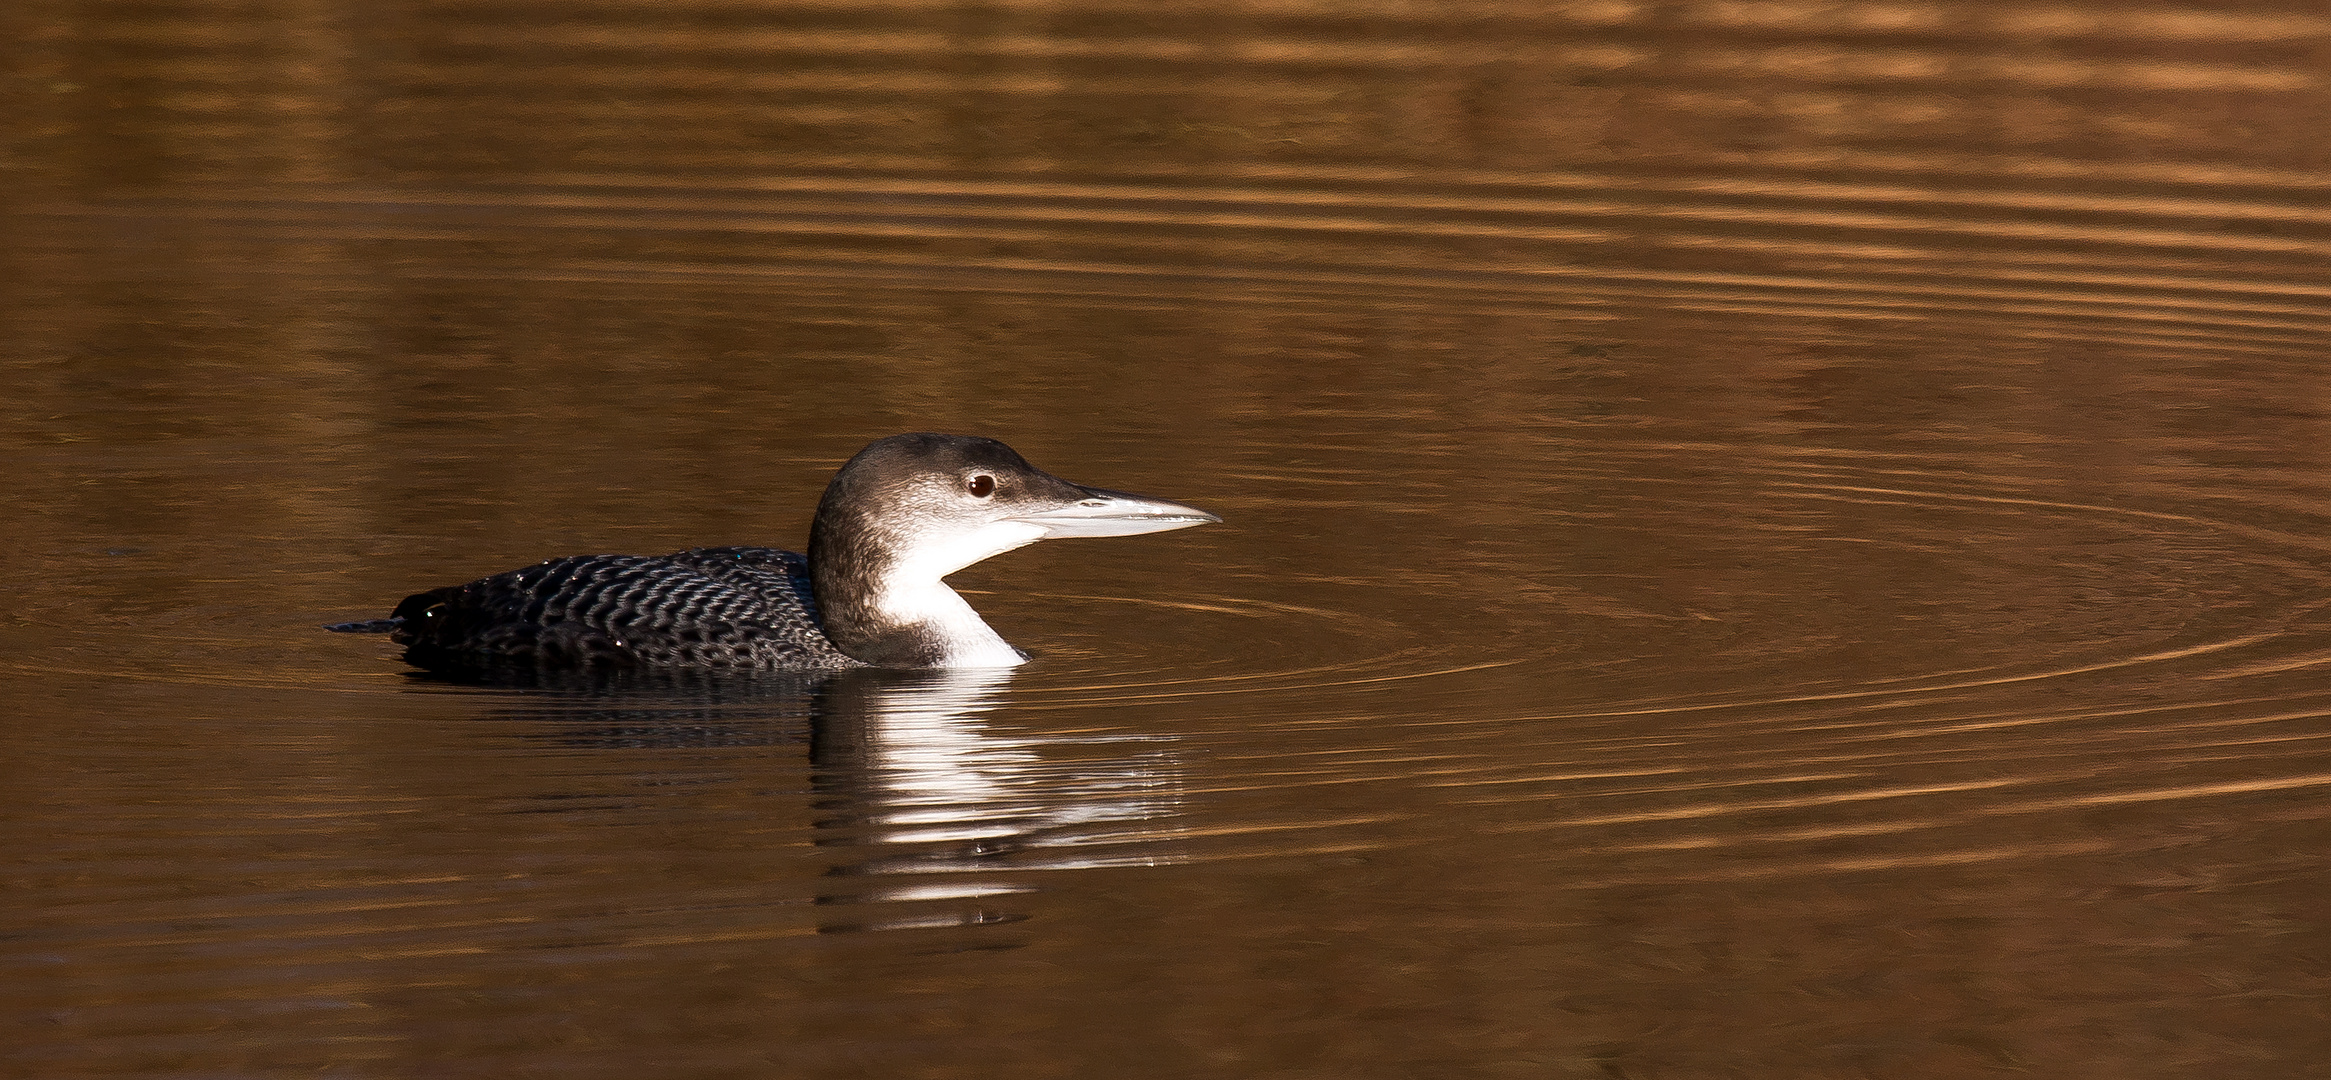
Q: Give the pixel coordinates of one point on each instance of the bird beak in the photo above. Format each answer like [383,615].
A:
[1114,513]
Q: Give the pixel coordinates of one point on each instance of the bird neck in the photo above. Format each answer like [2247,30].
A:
[880,609]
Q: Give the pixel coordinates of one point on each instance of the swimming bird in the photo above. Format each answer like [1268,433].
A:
[898,518]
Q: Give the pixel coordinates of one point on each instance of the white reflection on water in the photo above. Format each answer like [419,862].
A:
[920,779]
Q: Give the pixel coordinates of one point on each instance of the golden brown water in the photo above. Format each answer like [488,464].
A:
[1763,539]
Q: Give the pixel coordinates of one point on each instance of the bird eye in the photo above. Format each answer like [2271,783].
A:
[981,486]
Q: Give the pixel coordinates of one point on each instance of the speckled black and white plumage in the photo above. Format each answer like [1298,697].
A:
[743,608]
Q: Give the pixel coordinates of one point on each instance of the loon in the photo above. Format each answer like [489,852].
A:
[904,513]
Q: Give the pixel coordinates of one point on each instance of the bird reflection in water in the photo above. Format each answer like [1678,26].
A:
[942,809]
[931,815]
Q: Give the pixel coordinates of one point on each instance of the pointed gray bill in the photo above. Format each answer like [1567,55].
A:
[1114,513]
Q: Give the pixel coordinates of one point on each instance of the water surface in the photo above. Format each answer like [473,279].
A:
[1761,539]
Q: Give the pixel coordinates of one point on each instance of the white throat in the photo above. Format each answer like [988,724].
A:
[965,640]
[914,595]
